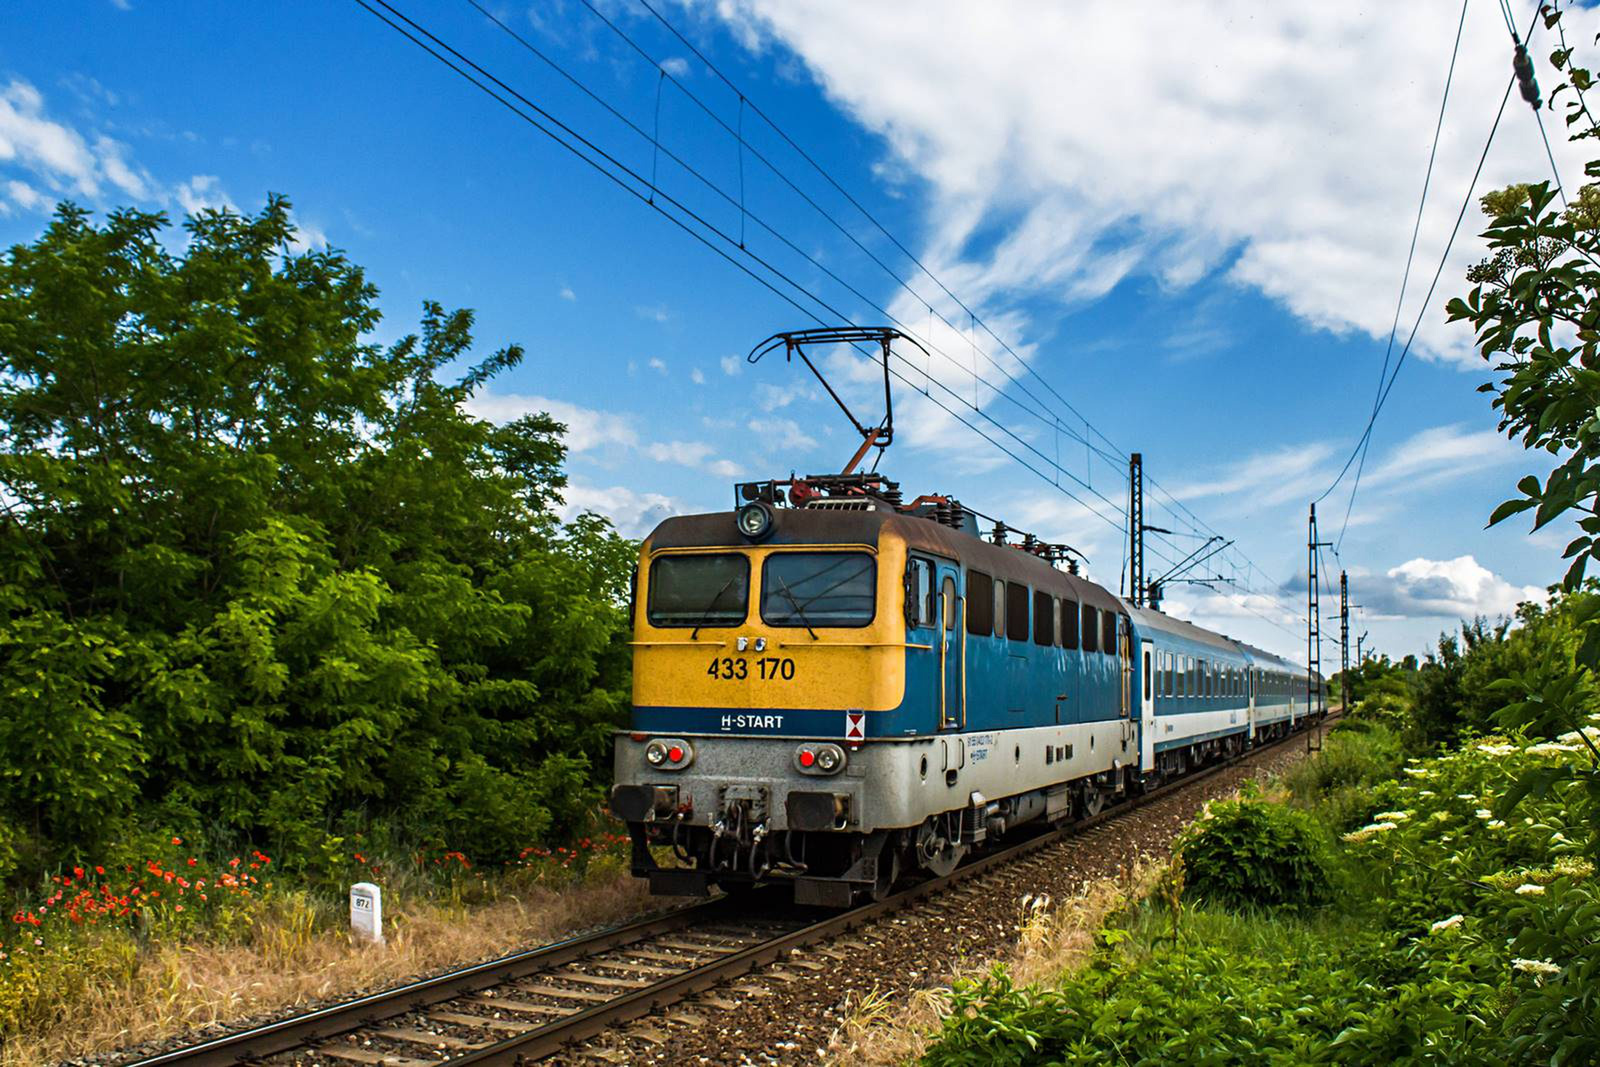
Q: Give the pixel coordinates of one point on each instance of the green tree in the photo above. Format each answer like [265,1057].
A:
[262,574]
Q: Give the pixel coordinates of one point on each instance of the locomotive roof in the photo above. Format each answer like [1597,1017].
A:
[814,526]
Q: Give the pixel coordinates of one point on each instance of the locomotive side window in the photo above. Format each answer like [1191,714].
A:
[1091,628]
[1108,633]
[711,589]
[922,610]
[980,604]
[1147,674]
[819,589]
[949,596]
[1016,611]
[999,607]
[1044,619]
[1069,624]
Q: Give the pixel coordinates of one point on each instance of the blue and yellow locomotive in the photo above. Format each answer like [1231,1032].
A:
[833,688]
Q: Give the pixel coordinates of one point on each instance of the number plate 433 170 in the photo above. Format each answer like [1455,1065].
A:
[762,669]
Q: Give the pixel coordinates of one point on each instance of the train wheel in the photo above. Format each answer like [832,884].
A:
[1093,801]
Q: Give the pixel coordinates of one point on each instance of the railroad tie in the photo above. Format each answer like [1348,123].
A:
[525,1007]
[423,1037]
[601,980]
[460,1018]
[372,1057]
[566,994]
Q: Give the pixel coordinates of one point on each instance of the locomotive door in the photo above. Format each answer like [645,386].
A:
[1147,707]
[952,644]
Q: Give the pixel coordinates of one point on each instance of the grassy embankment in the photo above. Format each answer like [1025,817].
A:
[1369,909]
[138,950]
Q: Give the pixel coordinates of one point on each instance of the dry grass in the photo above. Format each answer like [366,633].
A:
[1054,938]
[294,955]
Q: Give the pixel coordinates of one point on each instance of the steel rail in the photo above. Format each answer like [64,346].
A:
[561,1034]
[553,1037]
[300,1030]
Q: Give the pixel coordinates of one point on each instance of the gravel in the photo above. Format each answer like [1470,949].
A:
[786,1014]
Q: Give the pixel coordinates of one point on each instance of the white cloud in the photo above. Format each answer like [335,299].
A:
[587,428]
[1453,588]
[566,293]
[658,364]
[1284,144]
[1268,478]
[634,514]
[781,433]
[697,376]
[683,453]
[133,180]
[53,151]
[676,66]
[1441,454]
[653,312]
[731,365]
[26,196]
[203,192]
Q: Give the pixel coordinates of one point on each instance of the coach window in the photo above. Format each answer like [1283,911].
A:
[1091,628]
[1147,674]
[1016,611]
[980,604]
[1166,660]
[1044,619]
[1108,633]
[819,589]
[706,589]
[1069,624]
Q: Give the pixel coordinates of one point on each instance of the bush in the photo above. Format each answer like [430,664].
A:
[1253,853]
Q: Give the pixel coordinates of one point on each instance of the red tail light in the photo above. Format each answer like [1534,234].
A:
[807,757]
[675,754]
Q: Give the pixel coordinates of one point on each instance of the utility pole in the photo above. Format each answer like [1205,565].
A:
[1136,529]
[1313,628]
[1344,639]
[1361,657]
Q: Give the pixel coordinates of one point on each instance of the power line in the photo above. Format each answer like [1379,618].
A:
[1383,395]
[1117,457]
[650,193]
[1405,277]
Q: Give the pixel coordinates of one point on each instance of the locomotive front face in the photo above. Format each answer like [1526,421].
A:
[756,664]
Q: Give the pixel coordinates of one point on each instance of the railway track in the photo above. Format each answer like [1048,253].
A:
[531,1005]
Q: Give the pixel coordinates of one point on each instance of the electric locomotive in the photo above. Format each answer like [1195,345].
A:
[833,687]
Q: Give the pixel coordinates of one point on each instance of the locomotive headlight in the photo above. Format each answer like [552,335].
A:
[819,759]
[655,753]
[754,520]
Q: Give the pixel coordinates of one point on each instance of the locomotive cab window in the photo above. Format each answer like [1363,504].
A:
[819,589]
[980,604]
[1091,628]
[1044,619]
[1069,624]
[710,589]
[1108,633]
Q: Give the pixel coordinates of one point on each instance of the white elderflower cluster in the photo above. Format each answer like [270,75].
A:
[1551,748]
[1530,889]
[1368,831]
[1445,924]
[1492,748]
[1392,816]
[1575,737]
[1418,772]
[1539,968]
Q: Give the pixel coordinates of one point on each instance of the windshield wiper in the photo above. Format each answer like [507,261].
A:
[694,635]
[798,610]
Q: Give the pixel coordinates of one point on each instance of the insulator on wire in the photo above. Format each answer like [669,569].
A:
[1522,65]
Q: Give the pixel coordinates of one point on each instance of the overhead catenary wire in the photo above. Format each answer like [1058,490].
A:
[1394,374]
[1115,455]
[706,233]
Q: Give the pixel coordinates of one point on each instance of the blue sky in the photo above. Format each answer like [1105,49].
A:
[1193,228]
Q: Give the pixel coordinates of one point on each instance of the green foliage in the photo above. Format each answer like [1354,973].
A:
[1338,783]
[1472,939]
[1246,853]
[263,579]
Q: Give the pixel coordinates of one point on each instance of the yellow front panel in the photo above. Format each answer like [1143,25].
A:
[854,668]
